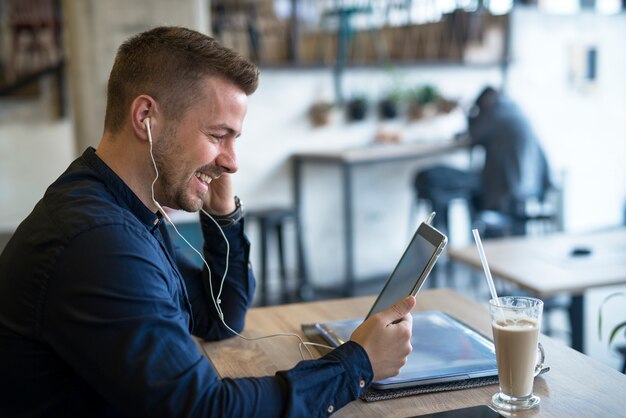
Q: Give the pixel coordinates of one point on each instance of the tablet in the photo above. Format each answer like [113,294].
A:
[413,268]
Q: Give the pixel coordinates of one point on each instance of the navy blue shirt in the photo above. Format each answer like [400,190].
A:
[97,313]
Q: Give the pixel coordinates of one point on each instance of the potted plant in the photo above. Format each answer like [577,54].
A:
[423,102]
[320,112]
[388,105]
[356,108]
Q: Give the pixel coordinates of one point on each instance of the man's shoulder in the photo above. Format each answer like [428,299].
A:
[80,200]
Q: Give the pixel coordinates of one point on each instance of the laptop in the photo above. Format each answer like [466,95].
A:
[445,350]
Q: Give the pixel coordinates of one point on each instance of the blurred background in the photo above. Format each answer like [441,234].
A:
[340,76]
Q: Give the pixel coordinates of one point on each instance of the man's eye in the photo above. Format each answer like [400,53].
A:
[217,137]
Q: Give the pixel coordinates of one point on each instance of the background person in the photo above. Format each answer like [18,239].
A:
[515,165]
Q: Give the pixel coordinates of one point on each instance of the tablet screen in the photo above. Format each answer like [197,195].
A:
[414,261]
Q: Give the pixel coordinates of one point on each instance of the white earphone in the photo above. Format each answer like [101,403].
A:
[146,122]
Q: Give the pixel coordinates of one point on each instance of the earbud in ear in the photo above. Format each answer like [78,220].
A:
[146,122]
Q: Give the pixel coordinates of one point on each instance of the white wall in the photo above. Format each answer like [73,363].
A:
[34,150]
[582,127]
[30,159]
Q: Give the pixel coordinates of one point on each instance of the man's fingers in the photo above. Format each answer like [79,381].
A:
[399,309]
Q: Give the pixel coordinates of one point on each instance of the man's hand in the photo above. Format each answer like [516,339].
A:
[386,338]
[220,199]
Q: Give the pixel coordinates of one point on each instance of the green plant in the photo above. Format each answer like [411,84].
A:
[422,102]
[425,94]
[617,328]
[396,90]
[395,95]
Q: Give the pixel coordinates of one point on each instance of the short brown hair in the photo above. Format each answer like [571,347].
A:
[167,63]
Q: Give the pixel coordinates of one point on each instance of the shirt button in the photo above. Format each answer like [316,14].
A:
[330,409]
[156,221]
[362,383]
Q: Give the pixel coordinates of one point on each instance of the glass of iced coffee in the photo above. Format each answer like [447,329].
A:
[515,322]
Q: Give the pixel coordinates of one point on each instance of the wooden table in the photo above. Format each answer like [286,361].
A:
[576,386]
[545,266]
[348,160]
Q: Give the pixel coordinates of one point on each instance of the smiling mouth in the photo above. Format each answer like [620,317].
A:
[204,178]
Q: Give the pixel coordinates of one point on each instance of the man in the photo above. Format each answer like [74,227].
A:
[97,310]
[515,167]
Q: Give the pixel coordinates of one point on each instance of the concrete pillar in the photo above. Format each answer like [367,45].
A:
[94,29]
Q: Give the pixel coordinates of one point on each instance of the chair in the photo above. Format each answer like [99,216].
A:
[533,216]
[271,222]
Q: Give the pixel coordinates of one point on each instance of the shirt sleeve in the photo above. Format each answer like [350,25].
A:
[232,251]
[320,387]
[111,314]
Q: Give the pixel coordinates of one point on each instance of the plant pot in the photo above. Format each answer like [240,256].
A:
[319,114]
[419,111]
[388,109]
[445,105]
[356,109]
[415,111]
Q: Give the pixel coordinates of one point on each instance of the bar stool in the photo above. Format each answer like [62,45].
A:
[271,221]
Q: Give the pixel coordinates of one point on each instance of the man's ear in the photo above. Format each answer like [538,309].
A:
[143,107]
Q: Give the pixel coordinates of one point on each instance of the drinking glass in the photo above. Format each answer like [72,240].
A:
[515,323]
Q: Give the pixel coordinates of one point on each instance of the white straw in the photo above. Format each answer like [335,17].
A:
[483,260]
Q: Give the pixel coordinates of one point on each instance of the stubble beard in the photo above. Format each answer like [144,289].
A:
[173,183]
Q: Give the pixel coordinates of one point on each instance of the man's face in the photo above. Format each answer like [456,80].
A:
[200,147]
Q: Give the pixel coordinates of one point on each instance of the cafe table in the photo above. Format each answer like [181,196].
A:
[575,386]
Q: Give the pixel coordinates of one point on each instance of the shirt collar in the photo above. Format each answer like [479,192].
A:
[122,193]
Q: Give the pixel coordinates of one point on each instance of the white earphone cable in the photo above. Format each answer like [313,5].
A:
[217,301]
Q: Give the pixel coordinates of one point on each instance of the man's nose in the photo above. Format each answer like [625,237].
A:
[227,158]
